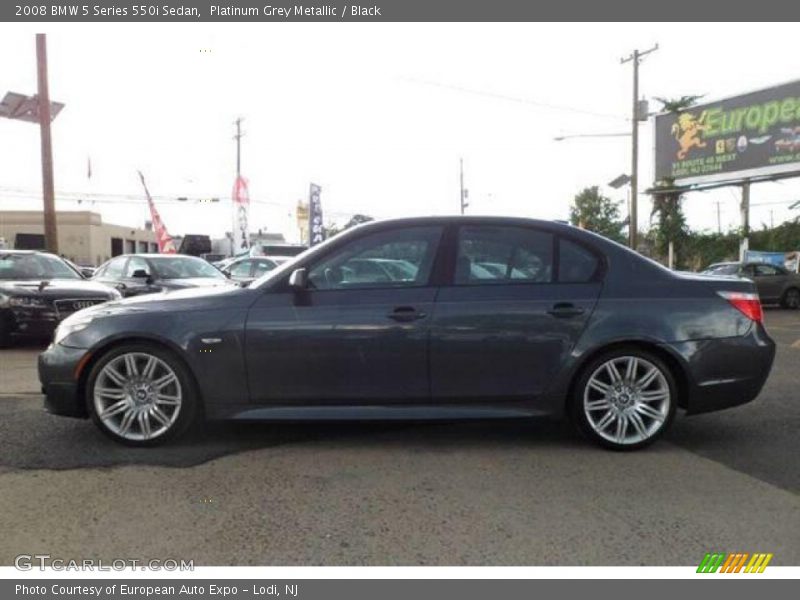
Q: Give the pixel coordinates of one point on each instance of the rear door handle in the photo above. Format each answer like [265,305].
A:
[405,314]
[565,310]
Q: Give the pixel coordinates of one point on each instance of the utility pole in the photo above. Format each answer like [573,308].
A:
[745,209]
[719,220]
[464,192]
[635,59]
[48,186]
[238,138]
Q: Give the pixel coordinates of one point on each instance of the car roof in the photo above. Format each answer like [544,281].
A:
[156,255]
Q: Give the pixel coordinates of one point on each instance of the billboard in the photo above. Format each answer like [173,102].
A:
[751,135]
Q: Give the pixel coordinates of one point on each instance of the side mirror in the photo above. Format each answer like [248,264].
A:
[87,272]
[140,274]
[227,273]
[298,280]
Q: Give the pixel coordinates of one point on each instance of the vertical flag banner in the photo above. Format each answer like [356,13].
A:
[165,243]
[241,211]
[315,233]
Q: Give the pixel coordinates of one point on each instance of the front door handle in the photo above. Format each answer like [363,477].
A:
[405,314]
[565,310]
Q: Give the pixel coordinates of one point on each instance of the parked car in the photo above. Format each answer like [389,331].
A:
[775,284]
[246,270]
[37,290]
[136,274]
[575,324]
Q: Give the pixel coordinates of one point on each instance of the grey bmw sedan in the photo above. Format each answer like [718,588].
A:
[424,318]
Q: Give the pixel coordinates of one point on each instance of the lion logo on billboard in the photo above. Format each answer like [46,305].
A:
[687,130]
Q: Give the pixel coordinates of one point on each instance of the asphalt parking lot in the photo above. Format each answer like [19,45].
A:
[510,493]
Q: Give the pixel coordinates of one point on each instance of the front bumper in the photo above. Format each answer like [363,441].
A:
[57,374]
[30,321]
[726,372]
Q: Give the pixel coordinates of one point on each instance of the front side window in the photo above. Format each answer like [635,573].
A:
[766,271]
[115,267]
[136,264]
[495,255]
[395,258]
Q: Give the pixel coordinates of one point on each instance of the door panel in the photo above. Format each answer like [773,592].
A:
[519,300]
[507,340]
[340,346]
[358,334]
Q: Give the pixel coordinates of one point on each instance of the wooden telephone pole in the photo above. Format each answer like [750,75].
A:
[48,186]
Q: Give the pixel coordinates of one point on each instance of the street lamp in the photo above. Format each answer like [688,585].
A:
[39,109]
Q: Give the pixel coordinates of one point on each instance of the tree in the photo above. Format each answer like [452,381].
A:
[356,219]
[670,225]
[676,105]
[595,212]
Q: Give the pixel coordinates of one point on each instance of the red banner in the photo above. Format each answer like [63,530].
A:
[165,243]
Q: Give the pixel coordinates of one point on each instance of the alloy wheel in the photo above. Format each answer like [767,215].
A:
[137,396]
[792,299]
[627,400]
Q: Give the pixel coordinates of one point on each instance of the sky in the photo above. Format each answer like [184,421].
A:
[378,114]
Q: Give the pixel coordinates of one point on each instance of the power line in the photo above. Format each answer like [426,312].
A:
[518,99]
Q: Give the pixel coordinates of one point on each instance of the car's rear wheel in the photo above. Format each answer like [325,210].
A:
[141,395]
[791,299]
[625,399]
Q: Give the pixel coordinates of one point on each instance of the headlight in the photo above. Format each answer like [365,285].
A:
[25,301]
[71,325]
[115,294]
[3,300]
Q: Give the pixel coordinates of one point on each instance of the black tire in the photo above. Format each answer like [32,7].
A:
[791,298]
[5,336]
[580,419]
[188,411]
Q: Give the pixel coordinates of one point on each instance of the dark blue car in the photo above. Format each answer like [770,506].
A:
[424,318]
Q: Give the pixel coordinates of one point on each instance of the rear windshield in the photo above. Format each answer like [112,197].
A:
[723,269]
[34,266]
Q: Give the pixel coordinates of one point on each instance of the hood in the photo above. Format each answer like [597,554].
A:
[197,298]
[56,288]
[190,282]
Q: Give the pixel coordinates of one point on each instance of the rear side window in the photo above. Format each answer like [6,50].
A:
[576,264]
[495,255]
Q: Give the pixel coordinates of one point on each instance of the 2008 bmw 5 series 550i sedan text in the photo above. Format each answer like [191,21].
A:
[424,318]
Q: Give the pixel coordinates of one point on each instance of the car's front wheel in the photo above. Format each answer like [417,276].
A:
[625,399]
[140,395]
[791,299]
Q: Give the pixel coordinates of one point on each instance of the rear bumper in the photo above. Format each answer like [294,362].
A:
[726,372]
[61,391]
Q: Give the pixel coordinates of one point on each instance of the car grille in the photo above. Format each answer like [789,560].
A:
[67,306]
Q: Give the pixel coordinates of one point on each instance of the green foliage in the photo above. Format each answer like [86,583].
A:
[676,105]
[595,212]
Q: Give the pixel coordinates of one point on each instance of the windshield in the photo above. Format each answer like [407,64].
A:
[185,267]
[34,266]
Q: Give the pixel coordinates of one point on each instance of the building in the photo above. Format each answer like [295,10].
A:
[82,235]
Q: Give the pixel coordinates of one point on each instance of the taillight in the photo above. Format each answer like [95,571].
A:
[747,304]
